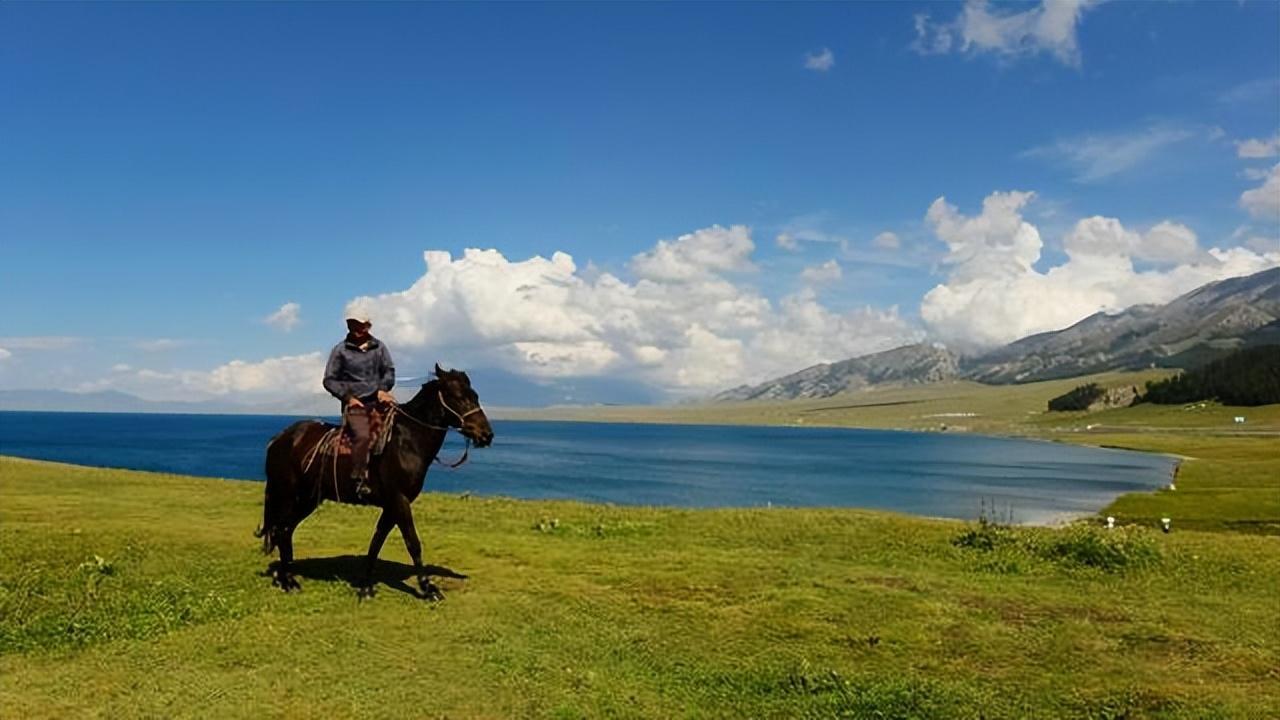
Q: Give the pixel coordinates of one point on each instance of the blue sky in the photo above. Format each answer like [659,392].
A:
[172,174]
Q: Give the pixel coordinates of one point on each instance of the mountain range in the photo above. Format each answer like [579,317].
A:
[1204,324]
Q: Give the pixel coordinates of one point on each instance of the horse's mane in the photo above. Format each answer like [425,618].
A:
[417,404]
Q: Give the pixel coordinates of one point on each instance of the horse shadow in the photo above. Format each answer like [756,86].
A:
[351,570]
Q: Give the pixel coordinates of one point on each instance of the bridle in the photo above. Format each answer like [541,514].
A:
[462,417]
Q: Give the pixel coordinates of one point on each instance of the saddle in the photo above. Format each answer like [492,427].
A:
[381,419]
[338,440]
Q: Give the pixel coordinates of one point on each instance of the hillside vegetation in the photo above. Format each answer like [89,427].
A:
[1246,377]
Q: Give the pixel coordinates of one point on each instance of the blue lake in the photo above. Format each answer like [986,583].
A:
[677,465]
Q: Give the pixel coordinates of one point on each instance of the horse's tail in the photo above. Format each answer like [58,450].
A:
[277,464]
[265,530]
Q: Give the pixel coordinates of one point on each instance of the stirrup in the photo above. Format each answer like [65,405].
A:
[362,489]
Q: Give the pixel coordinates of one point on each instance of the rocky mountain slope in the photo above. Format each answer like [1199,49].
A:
[912,364]
[1199,326]
[1205,323]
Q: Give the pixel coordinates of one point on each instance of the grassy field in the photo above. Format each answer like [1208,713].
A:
[128,594]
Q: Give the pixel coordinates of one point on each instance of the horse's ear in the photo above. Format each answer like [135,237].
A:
[439,370]
[466,379]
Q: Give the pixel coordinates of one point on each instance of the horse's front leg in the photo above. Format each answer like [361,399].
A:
[386,521]
[404,518]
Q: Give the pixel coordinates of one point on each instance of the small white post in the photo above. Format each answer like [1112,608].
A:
[1165,523]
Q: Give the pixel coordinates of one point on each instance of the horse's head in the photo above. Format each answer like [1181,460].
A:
[462,406]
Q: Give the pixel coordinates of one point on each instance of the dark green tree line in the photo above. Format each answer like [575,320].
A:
[1246,377]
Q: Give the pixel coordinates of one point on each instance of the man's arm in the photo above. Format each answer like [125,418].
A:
[337,388]
[388,380]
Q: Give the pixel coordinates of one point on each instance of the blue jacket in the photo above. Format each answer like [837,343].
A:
[356,372]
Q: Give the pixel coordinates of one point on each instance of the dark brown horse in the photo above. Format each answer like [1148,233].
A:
[298,479]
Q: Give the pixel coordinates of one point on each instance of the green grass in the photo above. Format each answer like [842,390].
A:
[126,594]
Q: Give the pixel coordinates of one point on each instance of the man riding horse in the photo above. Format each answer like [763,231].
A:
[303,465]
[360,374]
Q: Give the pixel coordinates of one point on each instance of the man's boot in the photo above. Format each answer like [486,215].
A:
[358,420]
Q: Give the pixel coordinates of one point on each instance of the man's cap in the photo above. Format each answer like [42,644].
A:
[359,316]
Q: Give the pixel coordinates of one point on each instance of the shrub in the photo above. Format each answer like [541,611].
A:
[1009,549]
[1079,398]
[986,536]
[1109,550]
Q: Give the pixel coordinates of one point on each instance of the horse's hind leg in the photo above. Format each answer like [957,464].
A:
[284,576]
[284,569]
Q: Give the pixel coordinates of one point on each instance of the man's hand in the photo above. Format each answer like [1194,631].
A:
[386,397]
[354,402]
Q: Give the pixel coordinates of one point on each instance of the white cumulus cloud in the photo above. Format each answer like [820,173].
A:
[685,322]
[827,272]
[1263,244]
[1253,148]
[280,376]
[272,379]
[1048,27]
[160,344]
[821,61]
[993,293]
[1264,202]
[286,318]
[697,255]
[887,241]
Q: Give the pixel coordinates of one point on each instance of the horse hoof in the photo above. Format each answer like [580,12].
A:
[287,583]
[430,591]
[364,592]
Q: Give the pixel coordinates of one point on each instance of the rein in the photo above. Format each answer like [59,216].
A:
[466,452]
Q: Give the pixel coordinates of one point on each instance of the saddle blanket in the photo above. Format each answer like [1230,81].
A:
[338,439]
